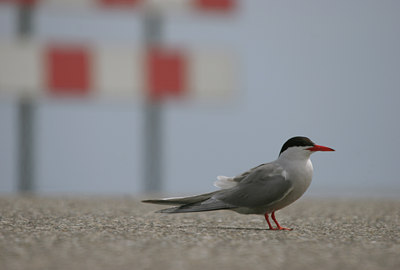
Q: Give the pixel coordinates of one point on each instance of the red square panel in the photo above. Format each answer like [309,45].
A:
[68,70]
[166,73]
[215,5]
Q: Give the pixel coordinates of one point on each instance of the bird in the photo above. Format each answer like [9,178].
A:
[262,190]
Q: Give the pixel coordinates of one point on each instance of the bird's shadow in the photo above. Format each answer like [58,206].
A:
[216,228]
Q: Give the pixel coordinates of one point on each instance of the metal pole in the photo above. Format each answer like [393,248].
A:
[152,114]
[24,25]
[25,112]
[25,129]
[153,146]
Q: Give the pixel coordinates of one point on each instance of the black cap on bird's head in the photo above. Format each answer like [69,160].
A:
[303,142]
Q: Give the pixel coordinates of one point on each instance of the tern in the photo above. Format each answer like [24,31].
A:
[262,190]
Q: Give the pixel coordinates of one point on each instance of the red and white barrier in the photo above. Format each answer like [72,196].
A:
[220,6]
[35,69]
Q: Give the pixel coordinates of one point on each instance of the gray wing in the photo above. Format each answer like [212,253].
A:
[244,175]
[260,186]
[182,200]
[207,205]
[225,182]
[256,187]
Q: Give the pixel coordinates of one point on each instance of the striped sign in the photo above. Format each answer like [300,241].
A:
[220,6]
[36,69]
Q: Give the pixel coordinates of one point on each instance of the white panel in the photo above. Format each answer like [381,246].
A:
[118,72]
[21,68]
[163,4]
[173,5]
[68,3]
[212,75]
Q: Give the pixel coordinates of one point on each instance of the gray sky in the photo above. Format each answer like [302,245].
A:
[329,70]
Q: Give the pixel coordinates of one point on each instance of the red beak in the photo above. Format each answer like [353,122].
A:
[319,148]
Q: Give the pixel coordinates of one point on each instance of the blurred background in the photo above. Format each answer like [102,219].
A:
[132,96]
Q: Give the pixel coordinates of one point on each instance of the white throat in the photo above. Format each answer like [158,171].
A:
[296,160]
[296,153]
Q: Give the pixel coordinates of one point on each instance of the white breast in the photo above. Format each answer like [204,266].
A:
[300,174]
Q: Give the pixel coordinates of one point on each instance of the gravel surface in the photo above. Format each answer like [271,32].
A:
[122,233]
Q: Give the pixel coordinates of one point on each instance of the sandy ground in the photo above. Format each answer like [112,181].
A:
[122,233]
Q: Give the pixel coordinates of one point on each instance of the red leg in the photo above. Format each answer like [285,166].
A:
[269,223]
[278,227]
